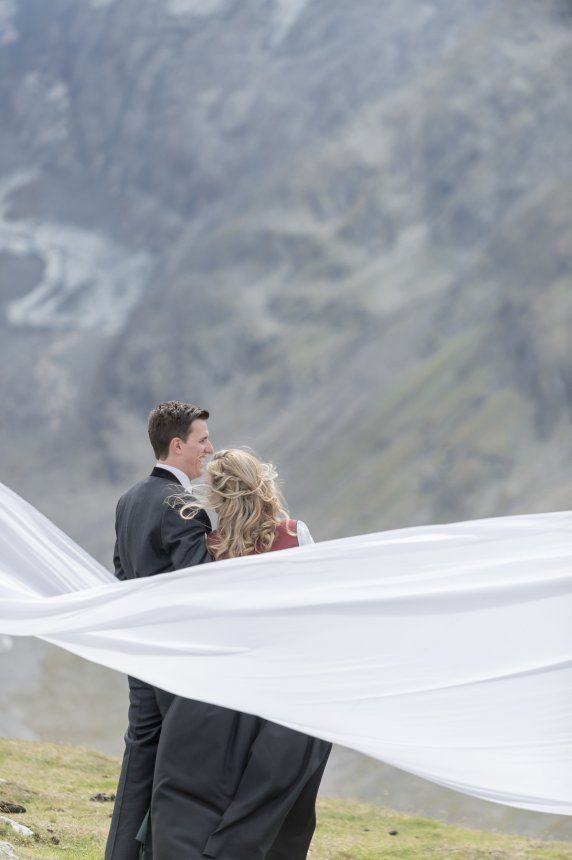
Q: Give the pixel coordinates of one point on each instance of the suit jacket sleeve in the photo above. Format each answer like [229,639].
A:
[119,572]
[185,540]
[118,567]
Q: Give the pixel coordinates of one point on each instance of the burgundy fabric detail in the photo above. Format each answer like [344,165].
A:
[282,540]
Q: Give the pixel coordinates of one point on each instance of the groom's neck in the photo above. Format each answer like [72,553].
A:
[172,462]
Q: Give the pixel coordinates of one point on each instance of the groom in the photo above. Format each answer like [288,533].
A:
[152,538]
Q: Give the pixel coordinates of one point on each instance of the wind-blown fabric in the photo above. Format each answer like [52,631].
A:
[443,650]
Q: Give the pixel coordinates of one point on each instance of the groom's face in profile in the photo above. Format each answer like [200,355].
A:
[192,452]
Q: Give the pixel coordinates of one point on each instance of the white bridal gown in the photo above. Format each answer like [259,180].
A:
[443,650]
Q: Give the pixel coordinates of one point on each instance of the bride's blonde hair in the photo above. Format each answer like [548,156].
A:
[244,493]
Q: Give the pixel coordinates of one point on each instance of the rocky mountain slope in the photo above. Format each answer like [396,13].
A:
[344,228]
[310,218]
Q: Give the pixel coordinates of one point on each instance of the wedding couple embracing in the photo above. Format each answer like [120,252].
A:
[198,780]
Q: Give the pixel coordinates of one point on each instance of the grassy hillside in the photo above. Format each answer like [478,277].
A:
[55,784]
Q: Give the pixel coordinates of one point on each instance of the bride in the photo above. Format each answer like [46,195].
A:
[229,784]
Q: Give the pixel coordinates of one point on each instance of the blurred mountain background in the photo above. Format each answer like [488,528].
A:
[344,228]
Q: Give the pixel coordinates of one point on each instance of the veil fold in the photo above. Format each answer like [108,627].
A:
[443,650]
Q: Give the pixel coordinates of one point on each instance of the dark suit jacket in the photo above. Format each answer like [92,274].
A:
[152,537]
[232,786]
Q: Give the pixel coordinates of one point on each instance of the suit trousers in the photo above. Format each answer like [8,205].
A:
[136,779]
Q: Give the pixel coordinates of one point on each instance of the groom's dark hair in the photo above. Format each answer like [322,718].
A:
[169,420]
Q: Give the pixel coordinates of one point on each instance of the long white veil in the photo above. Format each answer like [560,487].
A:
[443,650]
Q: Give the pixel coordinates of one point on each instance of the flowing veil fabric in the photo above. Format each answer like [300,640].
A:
[443,650]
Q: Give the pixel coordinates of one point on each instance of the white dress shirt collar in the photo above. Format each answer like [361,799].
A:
[184,479]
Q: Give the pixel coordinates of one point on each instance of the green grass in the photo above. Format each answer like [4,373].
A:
[55,782]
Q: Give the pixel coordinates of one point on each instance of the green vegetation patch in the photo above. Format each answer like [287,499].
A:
[55,784]
[353,831]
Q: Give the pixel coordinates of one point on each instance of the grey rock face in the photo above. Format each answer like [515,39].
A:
[18,828]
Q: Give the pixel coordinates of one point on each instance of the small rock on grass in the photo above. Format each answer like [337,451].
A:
[18,828]
[101,797]
[12,808]
[6,850]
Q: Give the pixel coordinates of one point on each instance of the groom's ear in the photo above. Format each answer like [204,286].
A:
[175,445]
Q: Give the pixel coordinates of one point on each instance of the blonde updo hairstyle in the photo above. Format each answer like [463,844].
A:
[244,493]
